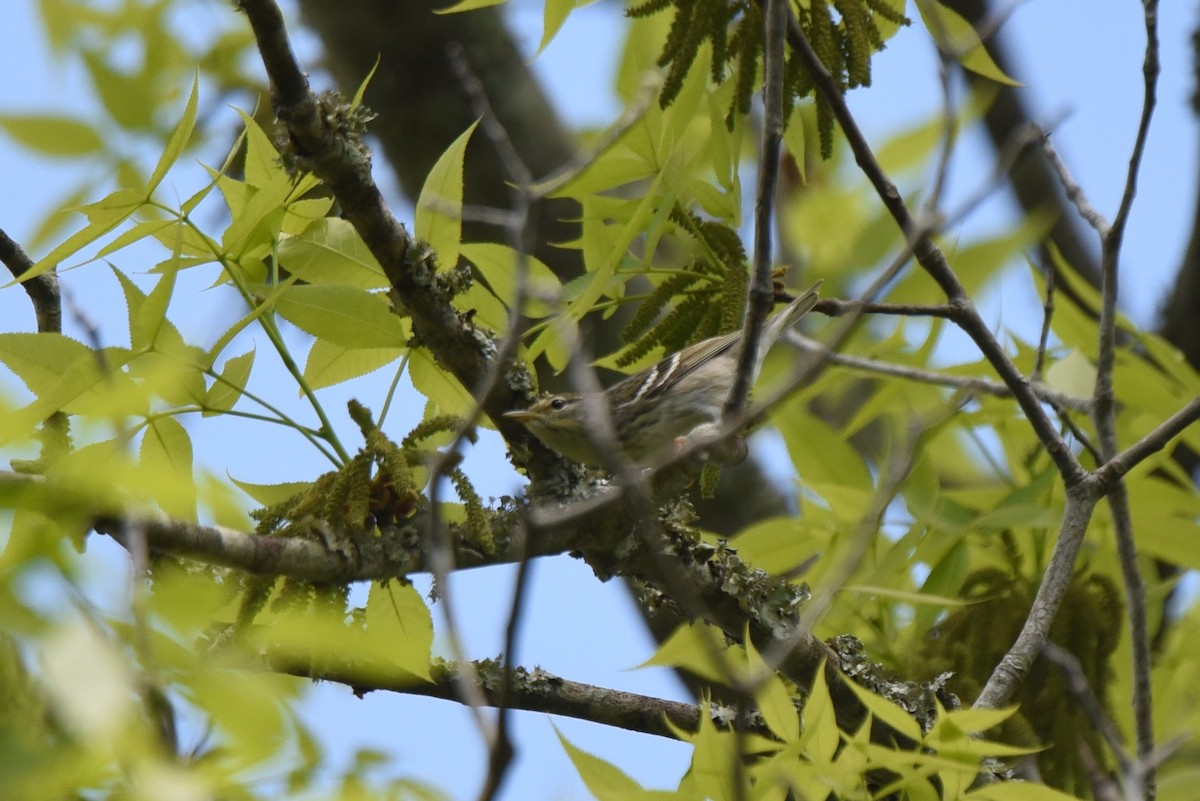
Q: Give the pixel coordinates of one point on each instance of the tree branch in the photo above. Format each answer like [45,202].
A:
[42,289]
[762,291]
[533,690]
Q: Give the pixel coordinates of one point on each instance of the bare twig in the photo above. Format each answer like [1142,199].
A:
[1105,410]
[833,307]
[441,550]
[1078,684]
[1118,466]
[1044,336]
[762,291]
[966,383]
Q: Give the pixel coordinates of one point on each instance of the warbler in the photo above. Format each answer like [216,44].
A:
[657,408]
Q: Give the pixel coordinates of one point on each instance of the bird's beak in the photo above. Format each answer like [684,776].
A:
[520,415]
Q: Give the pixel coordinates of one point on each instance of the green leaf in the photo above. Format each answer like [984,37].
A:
[343,315]
[262,167]
[781,544]
[555,13]
[40,360]
[178,141]
[468,5]
[52,134]
[887,711]
[698,648]
[773,699]
[330,251]
[127,97]
[1017,791]
[399,627]
[944,580]
[1074,374]
[819,731]
[227,390]
[821,455]
[329,364]
[438,218]
[957,38]
[715,752]
[498,266]
[438,385]
[271,494]
[103,216]
[604,780]
[166,455]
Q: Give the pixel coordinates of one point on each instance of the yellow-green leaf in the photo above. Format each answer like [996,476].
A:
[554,15]
[166,457]
[352,318]
[887,711]
[329,364]
[178,141]
[604,780]
[438,218]
[52,134]
[438,385]
[330,251]
[271,494]
[956,37]
[468,5]
[399,627]
[226,390]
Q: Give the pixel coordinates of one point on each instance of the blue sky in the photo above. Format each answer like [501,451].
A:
[1081,60]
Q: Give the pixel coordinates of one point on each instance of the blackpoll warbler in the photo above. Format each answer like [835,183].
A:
[657,408]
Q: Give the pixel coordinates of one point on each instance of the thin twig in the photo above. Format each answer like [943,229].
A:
[1078,684]
[1105,412]
[1044,336]
[762,290]
[966,383]
[441,551]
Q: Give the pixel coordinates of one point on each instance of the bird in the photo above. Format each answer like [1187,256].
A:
[656,409]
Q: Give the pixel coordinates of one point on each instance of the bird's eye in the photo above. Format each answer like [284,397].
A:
[558,404]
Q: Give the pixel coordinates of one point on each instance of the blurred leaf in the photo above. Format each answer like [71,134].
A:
[399,628]
[958,39]
[1074,374]
[52,134]
[167,456]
